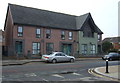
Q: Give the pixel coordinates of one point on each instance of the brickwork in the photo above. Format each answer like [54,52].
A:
[27,41]
[29,36]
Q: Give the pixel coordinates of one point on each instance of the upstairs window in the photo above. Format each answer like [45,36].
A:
[63,35]
[48,33]
[88,34]
[37,33]
[88,31]
[70,35]
[99,37]
[20,31]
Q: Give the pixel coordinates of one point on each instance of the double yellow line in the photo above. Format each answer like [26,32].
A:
[102,76]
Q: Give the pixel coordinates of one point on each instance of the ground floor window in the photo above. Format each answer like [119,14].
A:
[49,48]
[35,48]
[84,48]
[92,49]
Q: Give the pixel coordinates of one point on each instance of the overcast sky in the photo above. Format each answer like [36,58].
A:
[104,12]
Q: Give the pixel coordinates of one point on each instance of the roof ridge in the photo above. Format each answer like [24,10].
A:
[111,38]
[38,17]
[42,10]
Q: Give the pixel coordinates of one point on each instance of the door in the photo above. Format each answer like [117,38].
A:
[64,56]
[66,48]
[18,47]
[58,57]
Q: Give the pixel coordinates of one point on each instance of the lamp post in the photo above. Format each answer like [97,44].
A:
[106,66]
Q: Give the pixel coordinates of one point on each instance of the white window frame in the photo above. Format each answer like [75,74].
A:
[35,49]
[62,35]
[93,49]
[48,33]
[38,33]
[70,35]
[84,48]
[20,31]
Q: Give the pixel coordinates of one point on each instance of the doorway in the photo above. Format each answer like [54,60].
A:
[67,49]
[19,47]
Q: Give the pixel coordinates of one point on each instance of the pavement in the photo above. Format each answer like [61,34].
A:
[113,74]
[25,61]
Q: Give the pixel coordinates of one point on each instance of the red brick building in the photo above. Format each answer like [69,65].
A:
[23,37]
[36,31]
[115,42]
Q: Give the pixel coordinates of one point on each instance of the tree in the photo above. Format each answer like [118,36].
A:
[106,46]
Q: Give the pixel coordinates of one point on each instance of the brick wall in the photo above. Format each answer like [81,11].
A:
[29,36]
[8,33]
[116,45]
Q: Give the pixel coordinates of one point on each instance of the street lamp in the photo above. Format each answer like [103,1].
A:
[106,66]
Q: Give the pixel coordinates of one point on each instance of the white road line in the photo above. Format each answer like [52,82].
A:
[76,74]
[30,75]
[56,75]
[45,80]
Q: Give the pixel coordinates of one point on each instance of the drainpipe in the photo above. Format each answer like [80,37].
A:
[78,46]
[43,40]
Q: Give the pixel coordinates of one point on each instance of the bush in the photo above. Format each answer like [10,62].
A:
[106,46]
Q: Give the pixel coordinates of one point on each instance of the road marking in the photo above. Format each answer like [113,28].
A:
[56,75]
[30,75]
[45,80]
[76,74]
[85,78]
[102,76]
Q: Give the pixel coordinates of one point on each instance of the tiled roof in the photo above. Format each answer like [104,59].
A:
[112,39]
[37,17]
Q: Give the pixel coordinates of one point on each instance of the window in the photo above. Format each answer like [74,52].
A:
[48,33]
[84,48]
[37,33]
[58,54]
[70,35]
[88,32]
[99,37]
[62,34]
[20,31]
[35,48]
[92,49]
[49,48]
[62,54]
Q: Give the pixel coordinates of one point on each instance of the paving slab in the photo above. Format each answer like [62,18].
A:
[21,62]
[114,71]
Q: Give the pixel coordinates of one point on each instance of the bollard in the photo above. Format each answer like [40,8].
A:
[107,66]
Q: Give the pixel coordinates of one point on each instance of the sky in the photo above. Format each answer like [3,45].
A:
[104,12]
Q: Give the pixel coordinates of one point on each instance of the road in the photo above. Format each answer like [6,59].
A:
[40,71]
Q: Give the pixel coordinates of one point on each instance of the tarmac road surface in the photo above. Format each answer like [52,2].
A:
[40,71]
